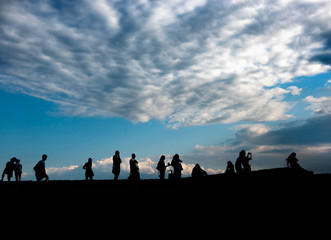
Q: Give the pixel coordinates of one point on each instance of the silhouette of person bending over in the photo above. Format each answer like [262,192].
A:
[88,170]
[198,172]
[40,169]
[229,168]
[116,165]
[176,164]
[242,163]
[10,166]
[134,169]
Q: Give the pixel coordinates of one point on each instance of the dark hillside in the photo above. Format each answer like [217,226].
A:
[270,204]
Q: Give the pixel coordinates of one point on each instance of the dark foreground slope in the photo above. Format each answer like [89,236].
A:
[264,205]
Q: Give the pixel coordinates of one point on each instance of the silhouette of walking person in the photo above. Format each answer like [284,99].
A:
[10,166]
[198,172]
[116,165]
[242,163]
[176,164]
[134,168]
[40,169]
[18,170]
[88,170]
[161,167]
[292,162]
[229,168]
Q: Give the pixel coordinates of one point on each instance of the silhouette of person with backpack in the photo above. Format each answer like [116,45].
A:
[176,164]
[134,168]
[116,165]
[40,169]
[10,166]
[88,170]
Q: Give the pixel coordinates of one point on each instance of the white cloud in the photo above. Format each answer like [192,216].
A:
[321,106]
[183,62]
[60,170]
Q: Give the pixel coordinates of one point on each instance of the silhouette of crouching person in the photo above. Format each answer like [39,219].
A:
[40,169]
[292,163]
[198,172]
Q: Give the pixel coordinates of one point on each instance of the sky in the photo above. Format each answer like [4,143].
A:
[204,79]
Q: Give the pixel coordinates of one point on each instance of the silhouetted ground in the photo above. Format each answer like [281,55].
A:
[271,204]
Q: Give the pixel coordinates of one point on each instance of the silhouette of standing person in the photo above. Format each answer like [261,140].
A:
[229,168]
[40,169]
[18,170]
[176,164]
[134,168]
[161,167]
[242,163]
[10,166]
[88,170]
[116,165]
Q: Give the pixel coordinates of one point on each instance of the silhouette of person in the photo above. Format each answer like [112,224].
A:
[161,167]
[18,170]
[116,165]
[292,162]
[88,170]
[242,163]
[229,168]
[176,164]
[40,169]
[198,172]
[134,168]
[10,166]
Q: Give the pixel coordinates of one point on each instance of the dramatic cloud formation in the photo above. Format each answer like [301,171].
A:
[182,62]
[310,139]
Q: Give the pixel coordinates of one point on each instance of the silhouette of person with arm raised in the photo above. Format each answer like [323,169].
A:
[229,168]
[242,163]
[161,167]
[198,172]
[134,168]
[88,170]
[10,166]
[40,169]
[176,164]
[18,170]
[116,165]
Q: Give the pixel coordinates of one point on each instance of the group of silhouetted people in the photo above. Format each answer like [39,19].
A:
[242,166]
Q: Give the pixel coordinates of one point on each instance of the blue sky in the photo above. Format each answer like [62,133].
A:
[203,79]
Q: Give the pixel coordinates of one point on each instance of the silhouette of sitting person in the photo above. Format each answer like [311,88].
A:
[40,169]
[161,167]
[292,162]
[116,165]
[242,163]
[229,168]
[10,166]
[88,170]
[176,164]
[18,170]
[198,172]
[134,168]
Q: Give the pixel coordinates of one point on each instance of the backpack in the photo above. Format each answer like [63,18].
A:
[38,167]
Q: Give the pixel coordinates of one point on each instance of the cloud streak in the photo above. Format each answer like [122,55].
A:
[185,63]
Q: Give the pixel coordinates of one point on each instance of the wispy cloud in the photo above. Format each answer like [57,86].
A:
[182,62]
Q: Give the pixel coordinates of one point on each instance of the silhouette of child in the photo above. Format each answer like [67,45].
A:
[18,170]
